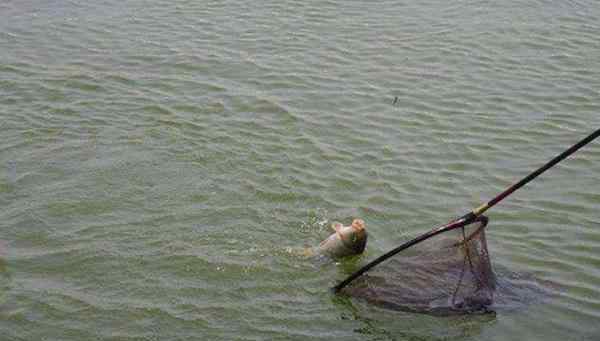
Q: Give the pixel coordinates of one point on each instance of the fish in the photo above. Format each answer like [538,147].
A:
[346,241]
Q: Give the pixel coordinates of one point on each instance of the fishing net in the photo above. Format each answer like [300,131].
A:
[445,274]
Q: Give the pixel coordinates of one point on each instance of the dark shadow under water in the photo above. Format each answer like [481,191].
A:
[511,291]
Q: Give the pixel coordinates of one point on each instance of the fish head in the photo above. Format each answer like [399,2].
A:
[358,225]
[346,241]
[357,238]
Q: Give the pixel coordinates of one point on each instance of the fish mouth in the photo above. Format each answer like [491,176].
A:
[358,224]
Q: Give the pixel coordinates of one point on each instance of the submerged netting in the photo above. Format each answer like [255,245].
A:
[448,273]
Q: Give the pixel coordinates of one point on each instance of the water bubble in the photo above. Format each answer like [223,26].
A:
[317,221]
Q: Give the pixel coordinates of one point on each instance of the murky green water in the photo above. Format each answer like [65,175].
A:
[158,159]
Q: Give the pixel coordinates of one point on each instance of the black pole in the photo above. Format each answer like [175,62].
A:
[471,216]
[537,172]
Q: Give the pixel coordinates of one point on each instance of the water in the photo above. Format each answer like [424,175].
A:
[159,159]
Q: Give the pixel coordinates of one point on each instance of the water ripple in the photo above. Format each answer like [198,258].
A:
[159,160]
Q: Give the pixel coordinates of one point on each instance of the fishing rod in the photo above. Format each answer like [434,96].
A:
[471,216]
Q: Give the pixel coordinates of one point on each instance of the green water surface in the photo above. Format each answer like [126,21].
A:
[161,160]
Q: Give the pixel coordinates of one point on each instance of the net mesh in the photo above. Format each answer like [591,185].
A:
[448,273]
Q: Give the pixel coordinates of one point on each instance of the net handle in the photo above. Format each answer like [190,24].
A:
[471,216]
